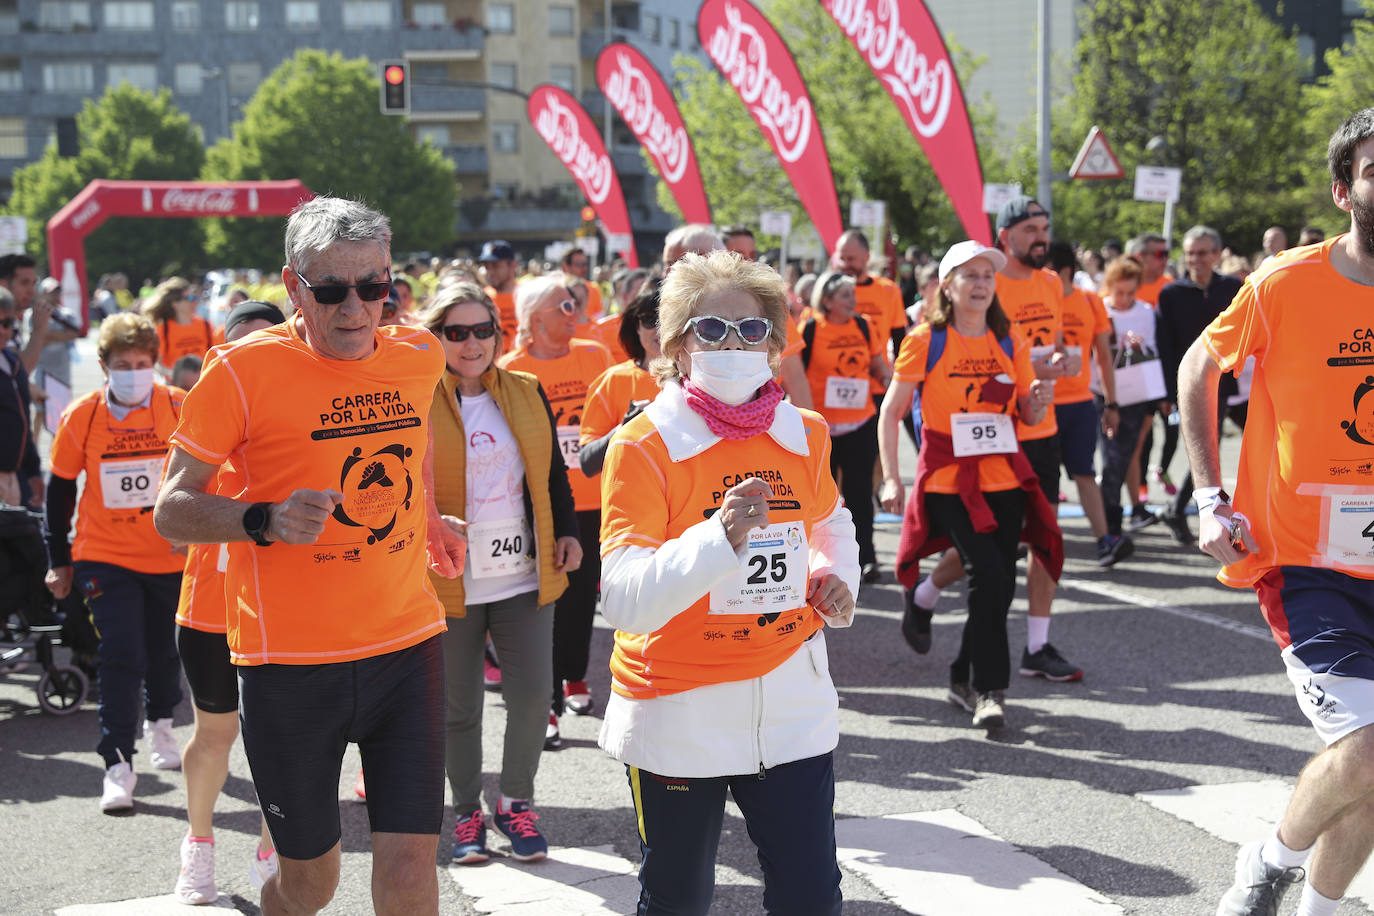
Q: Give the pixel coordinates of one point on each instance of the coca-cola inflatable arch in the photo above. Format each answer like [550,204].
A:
[102,199]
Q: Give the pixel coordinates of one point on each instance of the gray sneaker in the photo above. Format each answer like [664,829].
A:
[1259,887]
[962,695]
[989,713]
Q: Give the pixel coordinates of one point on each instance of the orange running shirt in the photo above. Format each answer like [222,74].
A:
[610,395]
[650,499]
[1034,307]
[795,343]
[505,307]
[281,418]
[178,340]
[1084,317]
[566,381]
[201,604]
[973,375]
[606,331]
[594,306]
[879,300]
[839,372]
[123,461]
[1149,292]
[1306,474]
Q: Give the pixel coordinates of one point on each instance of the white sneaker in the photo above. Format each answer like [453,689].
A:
[164,755]
[196,883]
[260,871]
[118,791]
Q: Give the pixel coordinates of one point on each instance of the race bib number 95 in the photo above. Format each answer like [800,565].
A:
[774,574]
[982,434]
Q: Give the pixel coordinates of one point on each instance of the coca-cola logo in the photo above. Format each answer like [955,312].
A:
[632,94]
[85,214]
[557,124]
[206,200]
[742,55]
[922,89]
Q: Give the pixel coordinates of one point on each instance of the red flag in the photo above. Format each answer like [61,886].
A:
[901,44]
[570,133]
[752,57]
[648,108]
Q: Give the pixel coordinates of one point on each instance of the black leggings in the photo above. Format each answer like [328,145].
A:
[854,454]
[990,561]
[575,610]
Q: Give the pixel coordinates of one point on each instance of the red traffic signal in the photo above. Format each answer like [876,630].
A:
[588,214]
[395,87]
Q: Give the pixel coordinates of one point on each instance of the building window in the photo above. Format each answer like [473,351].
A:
[436,135]
[674,33]
[561,75]
[140,76]
[503,75]
[189,79]
[132,16]
[367,14]
[428,71]
[429,15]
[504,190]
[651,27]
[241,16]
[303,14]
[186,15]
[244,78]
[64,15]
[504,137]
[1352,7]
[501,18]
[560,20]
[13,140]
[9,17]
[11,76]
[68,77]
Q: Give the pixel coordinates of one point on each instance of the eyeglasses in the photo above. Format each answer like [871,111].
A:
[567,307]
[1162,254]
[712,329]
[459,332]
[334,293]
[648,321]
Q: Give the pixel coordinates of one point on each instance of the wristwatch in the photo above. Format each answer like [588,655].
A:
[256,518]
[1111,405]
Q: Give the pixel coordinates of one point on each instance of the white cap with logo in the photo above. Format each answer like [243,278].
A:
[961,253]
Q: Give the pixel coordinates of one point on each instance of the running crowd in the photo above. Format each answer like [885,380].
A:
[472,463]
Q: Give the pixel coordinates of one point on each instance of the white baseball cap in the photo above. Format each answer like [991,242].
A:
[961,253]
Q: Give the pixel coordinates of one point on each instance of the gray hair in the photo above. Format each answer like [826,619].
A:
[694,238]
[805,283]
[1136,246]
[316,224]
[1203,232]
[527,297]
[829,283]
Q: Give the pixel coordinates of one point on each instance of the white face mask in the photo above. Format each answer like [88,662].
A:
[131,386]
[731,376]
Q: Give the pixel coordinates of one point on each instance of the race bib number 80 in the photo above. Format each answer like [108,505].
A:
[130,484]
[774,574]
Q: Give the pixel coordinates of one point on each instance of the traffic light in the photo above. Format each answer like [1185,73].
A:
[395,87]
[588,222]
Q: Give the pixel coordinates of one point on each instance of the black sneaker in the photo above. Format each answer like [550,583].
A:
[1141,518]
[1178,524]
[1259,887]
[1049,664]
[871,573]
[916,623]
[1113,548]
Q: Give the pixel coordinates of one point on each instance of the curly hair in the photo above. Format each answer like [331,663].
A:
[126,331]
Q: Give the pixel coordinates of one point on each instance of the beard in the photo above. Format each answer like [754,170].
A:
[1036,257]
[1362,212]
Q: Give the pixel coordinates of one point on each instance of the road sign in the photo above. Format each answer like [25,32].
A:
[995,195]
[867,212]
[590,245]
[1157,183]
[1095,158]
[617,243]
[775,222]
[14,234]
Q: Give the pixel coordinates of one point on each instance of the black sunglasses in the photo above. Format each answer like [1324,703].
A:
[459,332]
[334,293]
[712,329]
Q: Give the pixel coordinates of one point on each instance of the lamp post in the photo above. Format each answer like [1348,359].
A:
[1158,149]
[217,74]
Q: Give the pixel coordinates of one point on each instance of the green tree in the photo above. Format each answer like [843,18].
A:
[126,134]
[1348,88]
[316,118]
[872,152]
[1220,82]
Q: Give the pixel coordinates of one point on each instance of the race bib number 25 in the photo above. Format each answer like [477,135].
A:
[773,577]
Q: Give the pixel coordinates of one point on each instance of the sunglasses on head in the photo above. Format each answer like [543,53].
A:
[712,329]
[459,332]
[334,293]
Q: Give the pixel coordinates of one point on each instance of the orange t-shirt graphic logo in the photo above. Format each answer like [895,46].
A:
[372,497]
[1361,428]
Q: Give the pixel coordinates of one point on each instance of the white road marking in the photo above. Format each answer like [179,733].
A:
[165,905]
[571,882]
[1240,812]
[943,863]
[1116,593]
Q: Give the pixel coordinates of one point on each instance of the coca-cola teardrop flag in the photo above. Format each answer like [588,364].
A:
[900,42]
[753,59]
[570,133]
[648,108]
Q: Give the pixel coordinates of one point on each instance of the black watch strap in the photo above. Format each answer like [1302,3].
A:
[256,518]
[1112,405]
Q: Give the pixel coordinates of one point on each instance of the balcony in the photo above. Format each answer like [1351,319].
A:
[80,43]
[593,40]
[467,158]
[461,39]
[435,99]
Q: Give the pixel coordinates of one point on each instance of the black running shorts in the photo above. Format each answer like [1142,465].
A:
[213,679]
[1044,458]
[297,721]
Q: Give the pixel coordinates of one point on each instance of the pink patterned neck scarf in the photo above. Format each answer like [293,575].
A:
[735,422]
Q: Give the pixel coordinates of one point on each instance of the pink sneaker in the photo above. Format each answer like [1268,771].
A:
[491,675]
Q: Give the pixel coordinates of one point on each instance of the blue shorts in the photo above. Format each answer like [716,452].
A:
[1078,436]
[1324,622]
